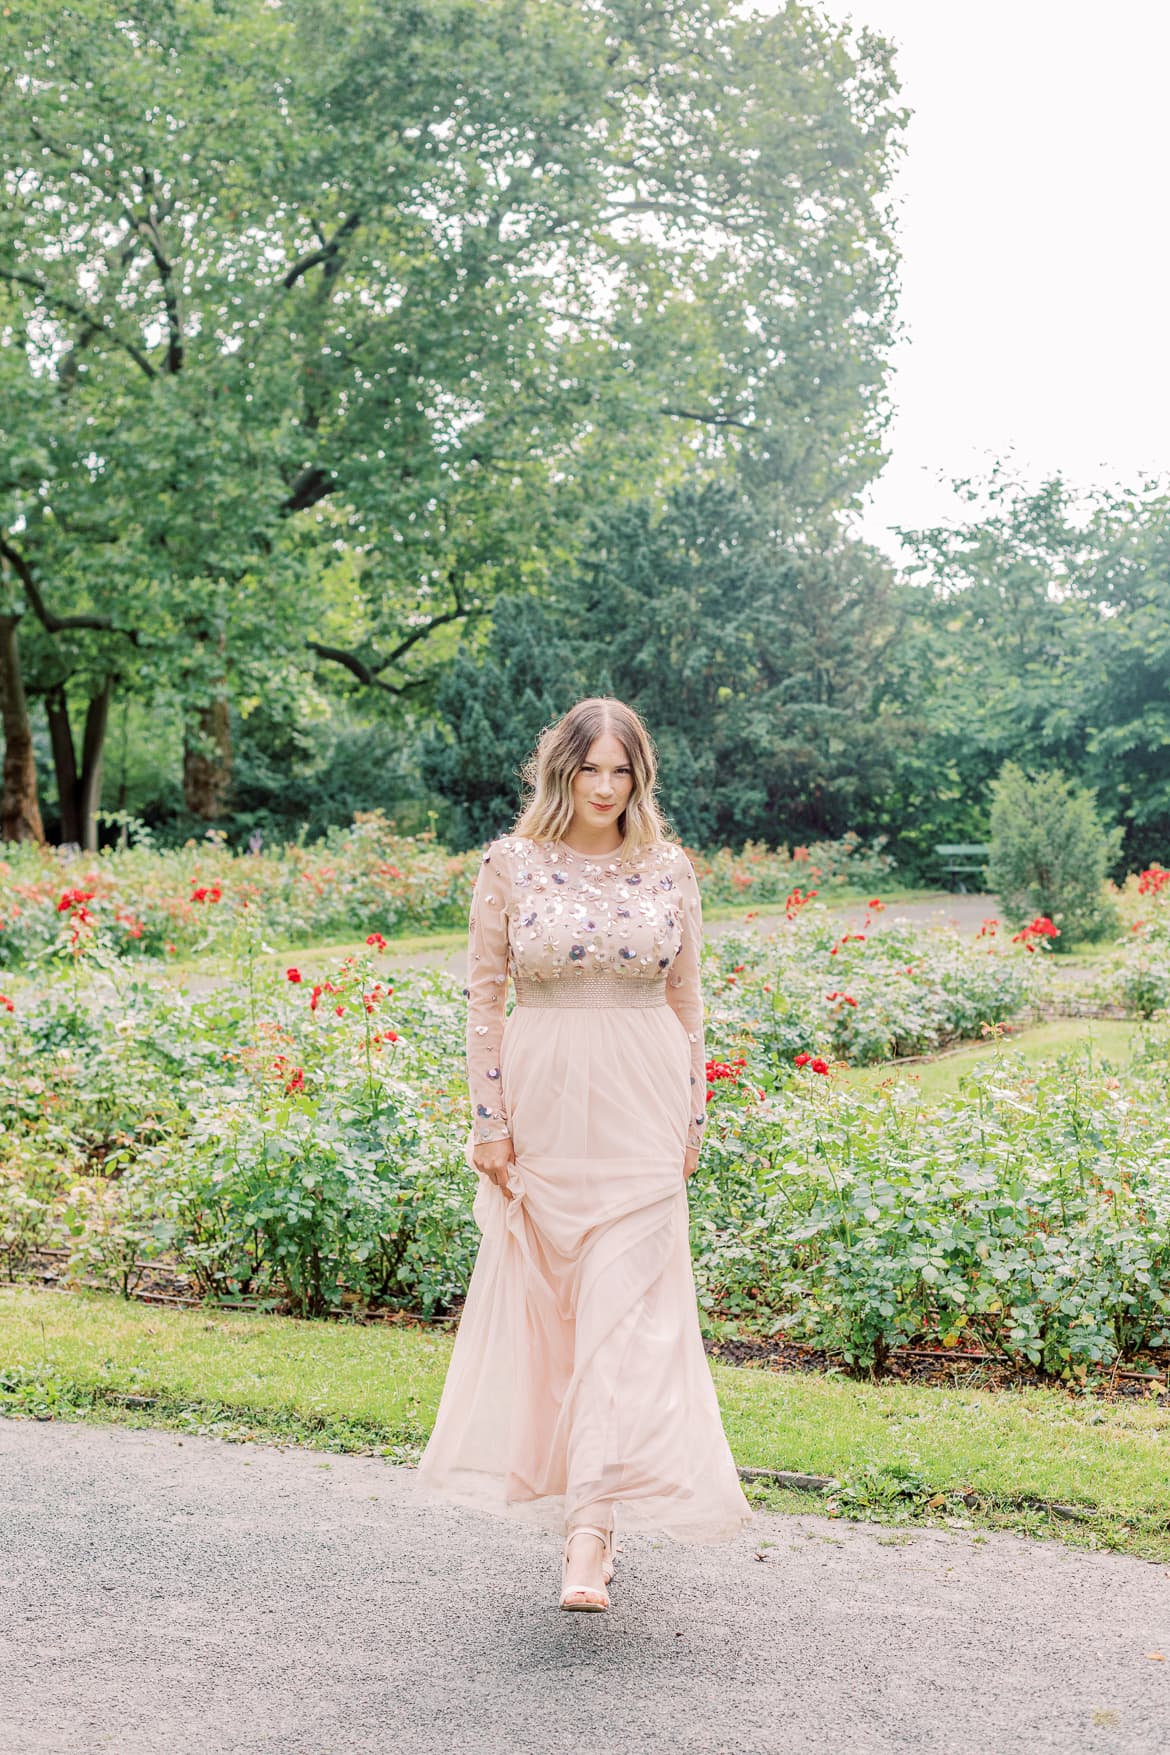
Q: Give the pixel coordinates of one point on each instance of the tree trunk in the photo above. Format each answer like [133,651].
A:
[89,797]
[64,765]
[207,760]
[20,813]
[79,793]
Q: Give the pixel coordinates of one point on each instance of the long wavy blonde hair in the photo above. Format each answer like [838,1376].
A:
[562,749]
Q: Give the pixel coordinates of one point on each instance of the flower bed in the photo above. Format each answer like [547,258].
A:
[1028,1217]
[1135,975]
[190,899]
[809,988]
[299,1144]
[167,904]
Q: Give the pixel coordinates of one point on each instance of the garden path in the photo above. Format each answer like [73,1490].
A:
[254,1600]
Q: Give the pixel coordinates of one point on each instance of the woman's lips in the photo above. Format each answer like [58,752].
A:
[603,806]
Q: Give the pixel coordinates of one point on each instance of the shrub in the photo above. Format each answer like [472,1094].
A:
[1050,854]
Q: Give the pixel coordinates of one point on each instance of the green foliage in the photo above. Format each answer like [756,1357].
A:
[1050,854]
[321,1199]
[491,710]
[1136,973]
[299,376]
[1036,629]
[862,998]
[1030,1216]
[755,656]
[31,1191]
[757,659]
[143,902]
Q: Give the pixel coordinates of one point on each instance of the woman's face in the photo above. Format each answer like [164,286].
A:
[604,778]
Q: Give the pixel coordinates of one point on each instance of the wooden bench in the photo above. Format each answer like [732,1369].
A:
[961,859]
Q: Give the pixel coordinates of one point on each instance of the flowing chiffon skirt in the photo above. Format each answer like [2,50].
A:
[578,1383]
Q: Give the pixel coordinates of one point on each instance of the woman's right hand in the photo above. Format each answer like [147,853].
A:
[491,1158]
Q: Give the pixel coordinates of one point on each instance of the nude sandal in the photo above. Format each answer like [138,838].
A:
[580,1596]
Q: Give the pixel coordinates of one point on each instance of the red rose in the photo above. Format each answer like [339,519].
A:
[820,1066]
[75,899]
[294,975]
[802,1060]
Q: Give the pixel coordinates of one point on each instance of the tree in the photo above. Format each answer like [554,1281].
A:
[1123,671]
[1039,633]
[757,664]
[417,285]
[1050,854]
[492,708]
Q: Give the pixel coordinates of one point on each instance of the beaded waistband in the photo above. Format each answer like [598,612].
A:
[603,988]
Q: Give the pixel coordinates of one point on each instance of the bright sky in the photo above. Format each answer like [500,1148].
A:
[1033,204]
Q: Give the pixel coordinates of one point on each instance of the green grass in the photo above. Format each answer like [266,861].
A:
[375,1389]
[1112,1040]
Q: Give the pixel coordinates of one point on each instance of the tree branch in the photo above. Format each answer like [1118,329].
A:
[146,228]
[311,485]
[370,672]
[417,634]
[326,253]
[717,420]
[57,624]
[76,310]
[357,667]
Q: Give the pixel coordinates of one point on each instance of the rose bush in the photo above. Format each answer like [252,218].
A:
[188,900]
[299,1143]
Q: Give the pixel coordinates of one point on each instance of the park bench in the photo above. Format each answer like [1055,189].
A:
[962,859]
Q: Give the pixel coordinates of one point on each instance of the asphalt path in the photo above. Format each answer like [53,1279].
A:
[173,1594]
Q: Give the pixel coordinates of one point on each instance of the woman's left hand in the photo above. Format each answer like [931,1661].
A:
[690,1162]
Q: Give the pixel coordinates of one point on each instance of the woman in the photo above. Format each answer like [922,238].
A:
[578,1380]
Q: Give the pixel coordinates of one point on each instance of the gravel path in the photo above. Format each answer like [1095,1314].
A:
[161,1595]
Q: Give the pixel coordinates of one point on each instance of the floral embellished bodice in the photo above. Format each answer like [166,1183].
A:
[544,912]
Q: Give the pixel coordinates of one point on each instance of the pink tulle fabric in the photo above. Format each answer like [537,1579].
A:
[578,1389]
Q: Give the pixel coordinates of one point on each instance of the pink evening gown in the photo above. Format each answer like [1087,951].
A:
[578,1382]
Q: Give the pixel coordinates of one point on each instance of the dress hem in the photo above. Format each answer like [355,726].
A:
[546,1511]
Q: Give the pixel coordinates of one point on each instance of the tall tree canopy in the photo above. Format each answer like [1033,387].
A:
[320,321]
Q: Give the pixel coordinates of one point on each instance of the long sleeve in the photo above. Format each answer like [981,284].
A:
[684,992]
[487,993]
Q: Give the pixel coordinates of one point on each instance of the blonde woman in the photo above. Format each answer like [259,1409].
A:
[578,1391]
